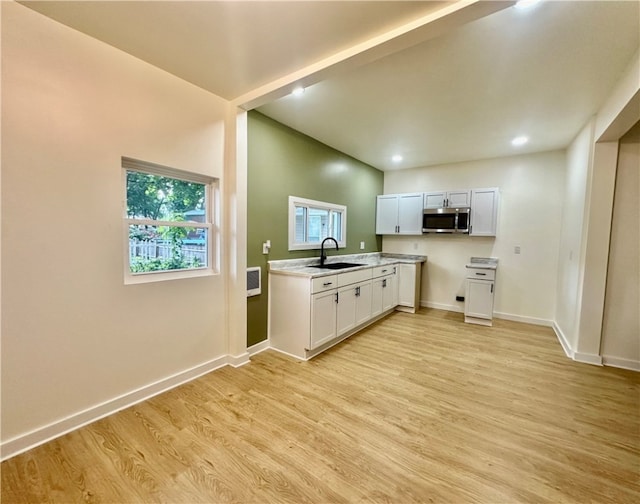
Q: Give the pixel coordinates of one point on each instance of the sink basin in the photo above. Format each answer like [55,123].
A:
[337,266]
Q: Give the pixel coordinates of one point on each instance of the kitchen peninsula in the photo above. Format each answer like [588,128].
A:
[313,307]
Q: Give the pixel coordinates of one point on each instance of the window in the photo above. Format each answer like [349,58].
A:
[167,223]
[311,221]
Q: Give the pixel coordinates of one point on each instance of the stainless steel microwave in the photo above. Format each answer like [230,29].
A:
[445,220]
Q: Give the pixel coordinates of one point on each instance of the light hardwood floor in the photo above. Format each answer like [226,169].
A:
[417,408]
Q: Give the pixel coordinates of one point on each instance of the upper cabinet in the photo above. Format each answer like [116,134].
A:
[399,214]
[450,199]
[484,211]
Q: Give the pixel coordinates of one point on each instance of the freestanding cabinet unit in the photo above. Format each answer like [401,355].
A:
[480,290]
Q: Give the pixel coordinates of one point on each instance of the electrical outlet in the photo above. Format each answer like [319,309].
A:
[361,245]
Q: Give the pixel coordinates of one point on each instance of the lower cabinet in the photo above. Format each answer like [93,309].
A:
[408,278]
[384,294]
[307,315]
[478,298]
[353,306]
[323,318]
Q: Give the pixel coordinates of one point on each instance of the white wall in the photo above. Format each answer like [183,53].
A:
[621,328]
[570,267]
[589,199]
[531,192]
[76,341]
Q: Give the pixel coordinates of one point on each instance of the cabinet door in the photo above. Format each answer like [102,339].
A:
[457,199]
[410,214]
[406,285]
[376,296]
[363,303]
[387,214]
[323,318]
[484,212]
[479,299]
[346,309]
[389,293]
[434,199]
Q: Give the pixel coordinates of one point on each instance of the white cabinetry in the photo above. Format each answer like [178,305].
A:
[484,212]
[450,199]
[408,277]
[384,291]
[323,318]
[399,214]
[353,300]
[479,294]
[307,315]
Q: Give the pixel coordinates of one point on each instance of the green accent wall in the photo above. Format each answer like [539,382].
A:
[283,162]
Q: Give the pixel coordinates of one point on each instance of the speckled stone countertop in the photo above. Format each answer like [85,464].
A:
[483,263]
[304,267]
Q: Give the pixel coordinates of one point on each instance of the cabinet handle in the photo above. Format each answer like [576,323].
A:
[491,288]
[337,297]
[384,283]
[384,270]
[481,274]
[357,291]
[327,284]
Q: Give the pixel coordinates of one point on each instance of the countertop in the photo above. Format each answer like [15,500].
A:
[303,267]
[483,263]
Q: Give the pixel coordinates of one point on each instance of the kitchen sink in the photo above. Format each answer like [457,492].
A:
[337,266]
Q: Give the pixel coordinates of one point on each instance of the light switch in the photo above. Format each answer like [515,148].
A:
[361,245]
[516,249]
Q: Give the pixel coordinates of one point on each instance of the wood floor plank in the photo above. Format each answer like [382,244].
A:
[416,408]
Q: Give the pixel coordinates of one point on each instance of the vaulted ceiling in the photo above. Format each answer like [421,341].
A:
[433,82]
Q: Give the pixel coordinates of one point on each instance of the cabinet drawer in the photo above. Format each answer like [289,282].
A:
[352,277]
[324,283]
[379,271]
[481,273]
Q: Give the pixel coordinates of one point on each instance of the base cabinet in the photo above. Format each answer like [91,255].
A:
[306,316]
[353,306]
[408,278]
[323,318]
[384,290]
[478,299]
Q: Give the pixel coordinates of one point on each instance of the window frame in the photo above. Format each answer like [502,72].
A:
[211,188]
[296,201]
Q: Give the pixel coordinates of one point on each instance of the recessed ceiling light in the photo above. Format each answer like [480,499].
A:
[525,4]
[397,158]
[298,91]
[518,141]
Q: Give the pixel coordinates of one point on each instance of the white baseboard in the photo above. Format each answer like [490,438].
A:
[619,362]
[259,347]
[500,315]
[24,442]
[239,360]
[588,358]
[523,319]
[442,306]
[564,343]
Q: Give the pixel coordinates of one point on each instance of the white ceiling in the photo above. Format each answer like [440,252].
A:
[430,91]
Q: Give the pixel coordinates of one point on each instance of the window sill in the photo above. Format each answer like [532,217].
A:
[163,276]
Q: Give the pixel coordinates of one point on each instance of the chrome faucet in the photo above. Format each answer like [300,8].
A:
[323,255]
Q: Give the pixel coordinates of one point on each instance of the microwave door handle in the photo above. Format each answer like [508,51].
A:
[455,223]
